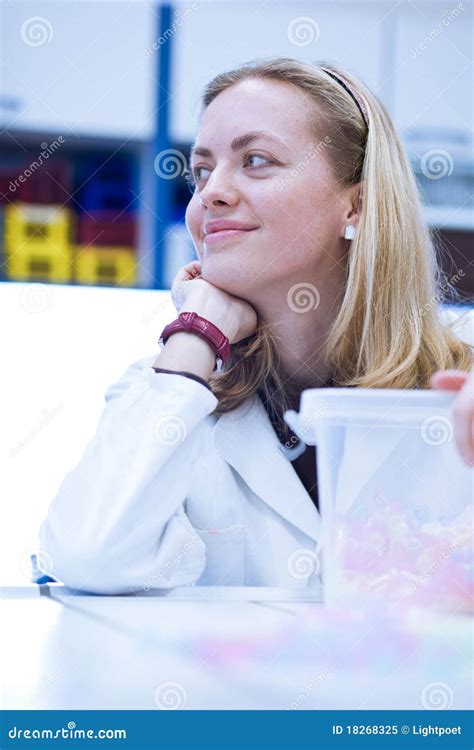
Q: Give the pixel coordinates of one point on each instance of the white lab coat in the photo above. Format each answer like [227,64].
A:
[168,494]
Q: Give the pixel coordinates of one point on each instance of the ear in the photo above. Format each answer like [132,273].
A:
[351,206]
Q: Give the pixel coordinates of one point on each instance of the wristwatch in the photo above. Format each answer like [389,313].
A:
[192,322]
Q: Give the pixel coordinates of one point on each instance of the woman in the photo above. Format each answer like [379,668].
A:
[316,265]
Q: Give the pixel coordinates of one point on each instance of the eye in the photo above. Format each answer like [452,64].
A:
[257,156]
[192,176]
[190,181]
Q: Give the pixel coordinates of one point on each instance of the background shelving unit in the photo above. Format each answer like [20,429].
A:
[76,85]
[118,96]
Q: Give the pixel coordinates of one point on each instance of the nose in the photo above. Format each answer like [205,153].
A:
[219,189]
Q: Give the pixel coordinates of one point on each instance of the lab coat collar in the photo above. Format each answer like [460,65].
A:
[245,439]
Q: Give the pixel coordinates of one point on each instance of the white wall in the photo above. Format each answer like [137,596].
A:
[78,67]
[62,346]
[433,85]
[218,36]
[415,56]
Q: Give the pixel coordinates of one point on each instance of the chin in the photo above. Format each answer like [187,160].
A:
[224,276]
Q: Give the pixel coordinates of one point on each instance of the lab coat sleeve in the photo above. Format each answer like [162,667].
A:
[118,523]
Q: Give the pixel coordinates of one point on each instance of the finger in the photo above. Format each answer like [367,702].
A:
[463,422]
[463,418]
[185,275]
[448,380]
[190,271]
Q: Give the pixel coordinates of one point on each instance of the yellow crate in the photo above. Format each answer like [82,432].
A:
[39,266]
[105,265]
[29,226]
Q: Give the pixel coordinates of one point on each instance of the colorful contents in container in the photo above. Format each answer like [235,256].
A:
[394,553]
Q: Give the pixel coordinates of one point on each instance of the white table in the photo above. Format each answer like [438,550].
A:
[220,648]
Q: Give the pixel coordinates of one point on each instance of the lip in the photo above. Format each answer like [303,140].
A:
[216,237]
[221,225]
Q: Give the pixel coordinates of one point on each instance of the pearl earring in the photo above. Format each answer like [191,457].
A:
[349,232]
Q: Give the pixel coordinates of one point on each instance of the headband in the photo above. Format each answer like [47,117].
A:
[345,84]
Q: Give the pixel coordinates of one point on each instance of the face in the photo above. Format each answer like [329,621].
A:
[279,185]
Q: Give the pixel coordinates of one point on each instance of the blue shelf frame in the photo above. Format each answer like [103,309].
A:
[162,142]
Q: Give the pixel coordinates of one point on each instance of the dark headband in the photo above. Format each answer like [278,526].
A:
[345,84]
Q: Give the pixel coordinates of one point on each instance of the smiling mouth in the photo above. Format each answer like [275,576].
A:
[225,234]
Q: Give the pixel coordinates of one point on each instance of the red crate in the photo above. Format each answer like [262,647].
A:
[49,183]
[107,228]
[7,178]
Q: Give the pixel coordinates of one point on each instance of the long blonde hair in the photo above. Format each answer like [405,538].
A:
[387,333]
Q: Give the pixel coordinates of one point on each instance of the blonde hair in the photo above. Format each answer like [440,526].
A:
[387,332]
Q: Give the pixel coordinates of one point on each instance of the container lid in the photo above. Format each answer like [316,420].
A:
[387,406]
[368,398]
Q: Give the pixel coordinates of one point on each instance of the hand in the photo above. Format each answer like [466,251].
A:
[463,410]
[191,293]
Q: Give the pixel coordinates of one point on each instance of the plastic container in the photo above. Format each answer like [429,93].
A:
[394,495]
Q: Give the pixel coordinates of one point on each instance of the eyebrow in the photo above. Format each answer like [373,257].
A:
[238,143]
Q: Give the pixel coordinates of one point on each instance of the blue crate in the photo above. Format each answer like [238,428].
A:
[101,195]
[107,184]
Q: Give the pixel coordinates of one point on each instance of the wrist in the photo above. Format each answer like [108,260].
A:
[191,321]
[223,320]
[185,350]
